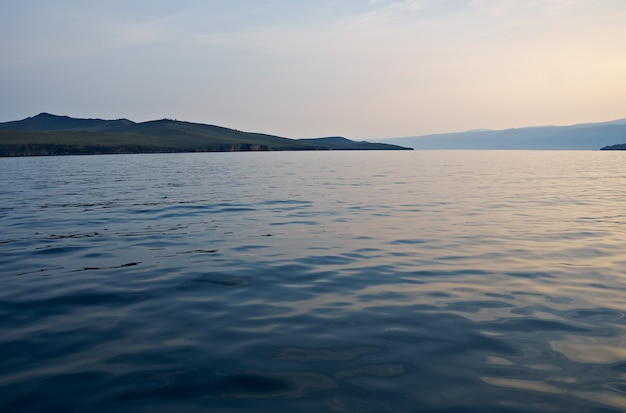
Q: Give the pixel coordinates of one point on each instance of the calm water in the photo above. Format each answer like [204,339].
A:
[429,281]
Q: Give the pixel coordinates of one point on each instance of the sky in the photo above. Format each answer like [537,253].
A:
[363,69]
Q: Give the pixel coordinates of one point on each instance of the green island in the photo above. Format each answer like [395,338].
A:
[47,134]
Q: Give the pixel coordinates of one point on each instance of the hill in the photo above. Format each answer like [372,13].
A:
[47,134]
[618,147]
[581,136]
[337,142]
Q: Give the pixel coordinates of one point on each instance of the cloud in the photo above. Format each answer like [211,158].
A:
[130,35]
[385,11]
[544,8]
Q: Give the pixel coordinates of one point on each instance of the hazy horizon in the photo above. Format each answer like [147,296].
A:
[361,69]
[394,138]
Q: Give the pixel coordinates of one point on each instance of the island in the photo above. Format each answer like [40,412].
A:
[618,147]
[48,134]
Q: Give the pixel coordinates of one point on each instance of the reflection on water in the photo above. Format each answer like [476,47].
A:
[348,282]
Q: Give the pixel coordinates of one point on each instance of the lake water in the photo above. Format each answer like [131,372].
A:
[425,281]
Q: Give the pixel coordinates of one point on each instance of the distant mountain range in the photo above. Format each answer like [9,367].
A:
[47,134]
[581,136]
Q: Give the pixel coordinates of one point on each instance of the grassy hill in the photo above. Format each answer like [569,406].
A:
[337,142]
[47,134]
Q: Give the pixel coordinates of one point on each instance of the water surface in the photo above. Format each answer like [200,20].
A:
[443,281]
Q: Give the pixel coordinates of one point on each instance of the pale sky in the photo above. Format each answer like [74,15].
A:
[363,69]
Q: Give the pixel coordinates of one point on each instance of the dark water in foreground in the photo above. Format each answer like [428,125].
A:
[314,282]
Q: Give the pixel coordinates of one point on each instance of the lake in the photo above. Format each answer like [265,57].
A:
[424,281]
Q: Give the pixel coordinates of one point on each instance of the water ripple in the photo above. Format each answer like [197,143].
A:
[347,282]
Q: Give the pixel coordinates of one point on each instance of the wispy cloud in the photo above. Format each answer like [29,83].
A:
[386,11]
[541,7]
[406,5]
